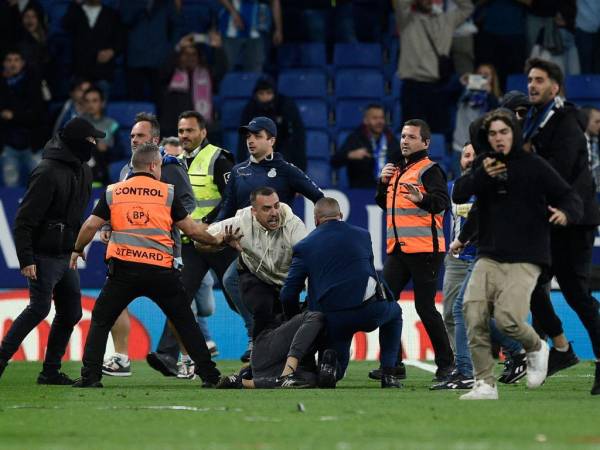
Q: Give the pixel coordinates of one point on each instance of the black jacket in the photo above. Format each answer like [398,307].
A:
[513,215]
[562,143]
[50,215]
[291,138]
[361,173]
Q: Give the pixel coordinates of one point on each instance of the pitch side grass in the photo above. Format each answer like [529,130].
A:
[148,411]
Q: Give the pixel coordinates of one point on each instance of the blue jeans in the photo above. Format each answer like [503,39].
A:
[17,163]
[231,283]
[204,304]
[341,326]
[463,362]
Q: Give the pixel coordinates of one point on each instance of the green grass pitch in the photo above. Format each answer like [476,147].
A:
[139,413]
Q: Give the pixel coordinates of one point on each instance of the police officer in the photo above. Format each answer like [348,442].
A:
[142,211]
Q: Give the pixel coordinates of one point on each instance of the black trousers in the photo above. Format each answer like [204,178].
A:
[126,282]
[423,269]
[54,281]
[261,299]
[571,264]
[195,266]
[427,101]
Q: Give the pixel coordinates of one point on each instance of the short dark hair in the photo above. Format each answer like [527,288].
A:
[374,106]
[13,51]
[151,118]
[264,191]
[171,140]
[94,88]
[424,128]
[327,207]
[552,70]
[501,114]
[76,82]
[196,115]
[145,154]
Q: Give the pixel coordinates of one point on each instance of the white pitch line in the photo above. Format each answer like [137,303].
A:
[421,365]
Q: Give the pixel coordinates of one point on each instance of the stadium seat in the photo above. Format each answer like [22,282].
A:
[231,112]
[359,83]
[319,171]
[583,89]
[341,137]
[341,178]
[238,84]
[124,112]
[314,113]
[56,11]
[437,147]
[196,16]
[230,141]
[357,55]
[396,115]
[317,145]
[349,113]
[302,55]
[516,82]
[114,169]
[303,83]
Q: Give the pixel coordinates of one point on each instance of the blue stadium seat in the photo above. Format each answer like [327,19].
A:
[56,11]
[341,137]
[516,82]
[317,144]
[319,171]
[396,88]
[303,83]
[196,16]
[437,147]
[396,115]
[123,143]
[349,113]
[314,113]
[124,112]
[357,55]
[238,84]
[114,169]
[230,141]
[583,88]
[302,55]
[341,178]
[231,112]
[359,83]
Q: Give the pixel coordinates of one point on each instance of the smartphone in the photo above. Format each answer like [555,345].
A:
[477,82]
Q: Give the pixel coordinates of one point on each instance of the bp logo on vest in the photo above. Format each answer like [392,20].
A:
[138,216]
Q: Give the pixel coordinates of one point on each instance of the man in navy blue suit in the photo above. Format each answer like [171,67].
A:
[337,258]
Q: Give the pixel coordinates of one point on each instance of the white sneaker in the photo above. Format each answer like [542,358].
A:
[481,391]
[115,367]
[186,370]
[537,366]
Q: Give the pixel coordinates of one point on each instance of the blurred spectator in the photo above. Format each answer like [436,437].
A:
[150,38]
[291,139]
[367,149]
[462,50]
[74,106]
[21,119]
[587,35]
[480,95]
[12,13]
[104,152]
[33,41]
[329,21]
[501,36]
[189,81]
[171,146]
[246,29]
[96,35]
[592,131]
[425,39]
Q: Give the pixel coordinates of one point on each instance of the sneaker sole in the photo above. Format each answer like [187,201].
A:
[116,374]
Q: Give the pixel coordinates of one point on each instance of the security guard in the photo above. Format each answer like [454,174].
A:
[415,196]
[142,211]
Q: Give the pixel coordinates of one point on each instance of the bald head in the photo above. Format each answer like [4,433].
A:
[327,209]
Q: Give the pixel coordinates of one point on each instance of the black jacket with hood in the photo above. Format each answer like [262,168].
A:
[513,224]
[50,215]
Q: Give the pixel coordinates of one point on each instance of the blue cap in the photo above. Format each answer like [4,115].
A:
[260,123]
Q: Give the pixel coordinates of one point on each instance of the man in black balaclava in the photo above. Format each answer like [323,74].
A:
[291,139]
[47,223]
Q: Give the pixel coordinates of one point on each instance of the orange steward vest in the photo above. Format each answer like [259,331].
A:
[140,217]
[413,229]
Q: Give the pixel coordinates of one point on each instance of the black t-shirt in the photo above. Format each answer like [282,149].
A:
[102,210]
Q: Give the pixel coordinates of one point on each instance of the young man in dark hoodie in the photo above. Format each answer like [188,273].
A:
[46,226]
[552,129]
[516,192]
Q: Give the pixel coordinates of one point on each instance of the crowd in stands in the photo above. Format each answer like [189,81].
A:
[321,69]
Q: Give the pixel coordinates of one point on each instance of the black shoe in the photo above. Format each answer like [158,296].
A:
[515,368]
[443,374]
[291,381]
[209,384]
[246,356]
[57,379]
[3,365]
[400,372]
[596,387]
[389,379]
[456,381]
[328,370]
[230,382]
[165,364]
[84,382]
[561,360]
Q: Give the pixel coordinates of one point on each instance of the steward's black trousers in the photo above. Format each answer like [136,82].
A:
[128,281]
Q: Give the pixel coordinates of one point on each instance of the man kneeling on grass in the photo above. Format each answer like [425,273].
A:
[269,230]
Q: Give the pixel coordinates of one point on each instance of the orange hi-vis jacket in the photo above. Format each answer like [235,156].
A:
[140,216]
[408,226]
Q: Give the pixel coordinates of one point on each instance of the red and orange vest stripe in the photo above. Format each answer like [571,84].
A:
[411,228]
[140,216]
